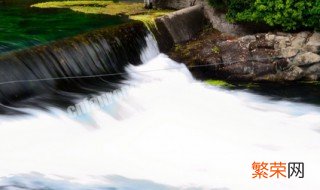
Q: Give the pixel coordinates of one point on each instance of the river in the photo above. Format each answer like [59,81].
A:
[163,130]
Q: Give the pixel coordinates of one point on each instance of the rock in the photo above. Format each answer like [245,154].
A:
[282,34]
[313,69]
[314,39]
[262,55]
[313,72]
[248,39]
[261,43]
[256,58]
[289,52]
[304,34]
[298,42]
[311,48]
[294,73]
[270,37]
[282,38]
[282,42]
[312,77]
[313,44]
[233,52]
[308,58]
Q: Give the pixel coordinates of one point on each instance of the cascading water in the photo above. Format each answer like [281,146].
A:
[165,131]
[60,72]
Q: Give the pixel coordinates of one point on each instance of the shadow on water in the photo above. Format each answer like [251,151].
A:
[301,92]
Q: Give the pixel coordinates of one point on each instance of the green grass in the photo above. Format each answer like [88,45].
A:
[134,10]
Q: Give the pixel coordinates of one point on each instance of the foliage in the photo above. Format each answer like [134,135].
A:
[286,14]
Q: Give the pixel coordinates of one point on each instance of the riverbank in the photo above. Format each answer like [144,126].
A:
[218,50]
[262,57]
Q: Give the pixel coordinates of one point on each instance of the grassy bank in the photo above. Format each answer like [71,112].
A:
[134,10]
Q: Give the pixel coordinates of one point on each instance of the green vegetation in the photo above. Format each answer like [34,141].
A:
[219,83]
[286,14]
[215,49]
[233,85]
[134,10]
[96,7]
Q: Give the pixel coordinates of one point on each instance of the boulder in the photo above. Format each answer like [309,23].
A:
[313,44]
[308,58]
[289,52]
[293,74]
[313,72]
[298,41]
[270,37]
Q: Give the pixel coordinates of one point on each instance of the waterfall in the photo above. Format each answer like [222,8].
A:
[165,131]
[58,73]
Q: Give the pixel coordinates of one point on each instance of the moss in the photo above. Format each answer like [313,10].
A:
[177,47]
[315,83]
[215,49]
[148,17]
[134,10]
[219,83]
[96,7]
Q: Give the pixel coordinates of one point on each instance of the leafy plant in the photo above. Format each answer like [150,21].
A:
[286,14]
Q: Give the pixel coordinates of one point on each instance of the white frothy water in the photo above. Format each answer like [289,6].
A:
[169,129]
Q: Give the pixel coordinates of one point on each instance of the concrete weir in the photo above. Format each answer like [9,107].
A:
[179,26]
[62,69]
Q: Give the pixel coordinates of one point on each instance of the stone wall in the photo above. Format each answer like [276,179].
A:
[272,57]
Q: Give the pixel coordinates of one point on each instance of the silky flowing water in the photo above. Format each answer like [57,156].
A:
[163,130]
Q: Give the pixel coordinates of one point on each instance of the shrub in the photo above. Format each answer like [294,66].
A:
[286,14]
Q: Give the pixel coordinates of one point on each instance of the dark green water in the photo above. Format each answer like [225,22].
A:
[22,26]
[295,92]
